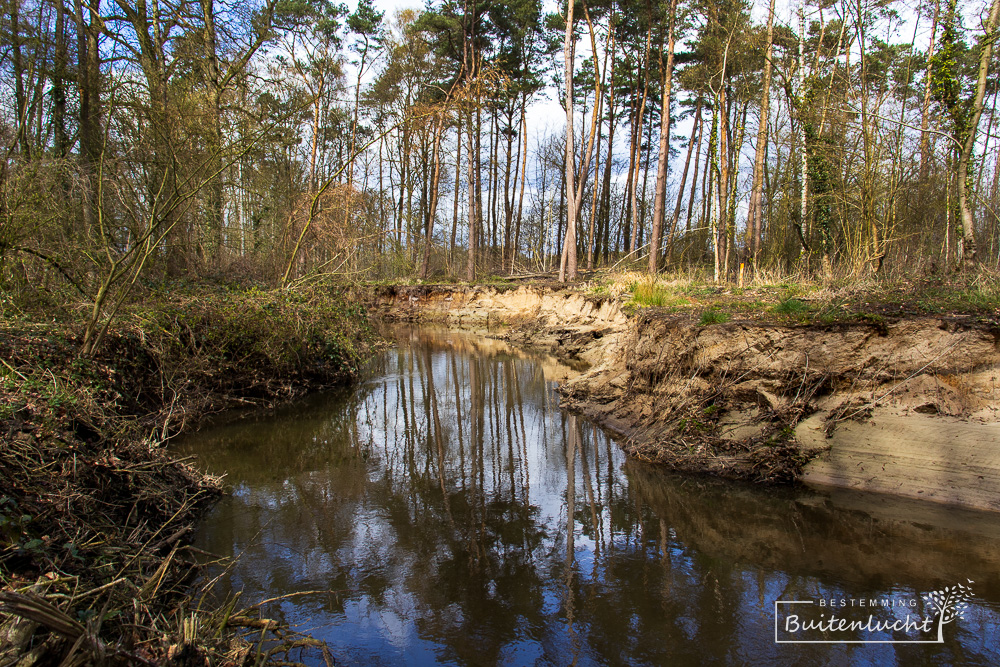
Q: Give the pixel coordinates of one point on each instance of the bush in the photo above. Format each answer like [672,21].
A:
[87,491]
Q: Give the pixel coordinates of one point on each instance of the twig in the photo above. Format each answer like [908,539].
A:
[99,589]
[13,370]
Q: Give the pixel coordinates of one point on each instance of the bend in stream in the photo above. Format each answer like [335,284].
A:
[447,511]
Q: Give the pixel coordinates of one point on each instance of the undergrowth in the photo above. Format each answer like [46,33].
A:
[788,298]
[94,515]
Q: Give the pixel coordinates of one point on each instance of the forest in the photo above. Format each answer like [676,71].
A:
[203,204]
[283,141]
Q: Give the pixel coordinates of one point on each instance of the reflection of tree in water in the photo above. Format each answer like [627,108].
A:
[460,493]
[450,496]
[455,466]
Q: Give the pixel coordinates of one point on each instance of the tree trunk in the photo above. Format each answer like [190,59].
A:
[20,96]
[694,180]
[684,174]
[403,177]
[567,262]
[598,118]
[59,78]
[458,182]
[493,181]
[925,136]
[735,149]
[214,203]
[645,182]
[722,173]
[524,170]
[478,177]
[604,214]
[756,189]
[432,207]
[314,147]
[561,210]
[88,80]
[356,110]
[660,195]
[713,167]
[88,86]
[968,234]
[626,225]
[508,195]
[470,266]
[634,173]
[804,231]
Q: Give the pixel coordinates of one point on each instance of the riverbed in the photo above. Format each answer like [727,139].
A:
[445,510]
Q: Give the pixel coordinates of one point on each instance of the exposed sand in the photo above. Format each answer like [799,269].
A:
[908,407]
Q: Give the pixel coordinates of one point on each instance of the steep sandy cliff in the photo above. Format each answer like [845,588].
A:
[906,407]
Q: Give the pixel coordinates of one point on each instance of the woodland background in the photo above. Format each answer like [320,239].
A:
[284,140]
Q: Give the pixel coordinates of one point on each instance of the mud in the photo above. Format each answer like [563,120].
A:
[907,407]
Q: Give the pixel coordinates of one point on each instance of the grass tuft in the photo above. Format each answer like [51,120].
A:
[657,295]
[713,316]
[791,306]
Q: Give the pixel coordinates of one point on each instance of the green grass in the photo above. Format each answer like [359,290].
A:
[656,295]
[714,316]
[973,299]
[791,306]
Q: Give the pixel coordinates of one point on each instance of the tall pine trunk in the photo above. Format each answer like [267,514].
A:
[567,262]
[754,216]
[968,254]
[684,174]
[660,195]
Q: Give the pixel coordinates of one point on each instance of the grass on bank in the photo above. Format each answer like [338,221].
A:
[94,515]
[780,298]
[713,316]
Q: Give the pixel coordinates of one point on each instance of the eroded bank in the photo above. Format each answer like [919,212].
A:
[907,407]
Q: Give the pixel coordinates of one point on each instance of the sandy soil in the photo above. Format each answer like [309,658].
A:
[907,407]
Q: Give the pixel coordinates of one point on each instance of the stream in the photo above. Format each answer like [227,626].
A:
[445,510]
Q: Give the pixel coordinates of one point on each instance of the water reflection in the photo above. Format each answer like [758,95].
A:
[449,512]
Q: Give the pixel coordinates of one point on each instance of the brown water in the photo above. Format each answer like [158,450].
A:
[446,511]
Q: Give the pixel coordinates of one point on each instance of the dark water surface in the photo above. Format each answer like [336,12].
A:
[447,511]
